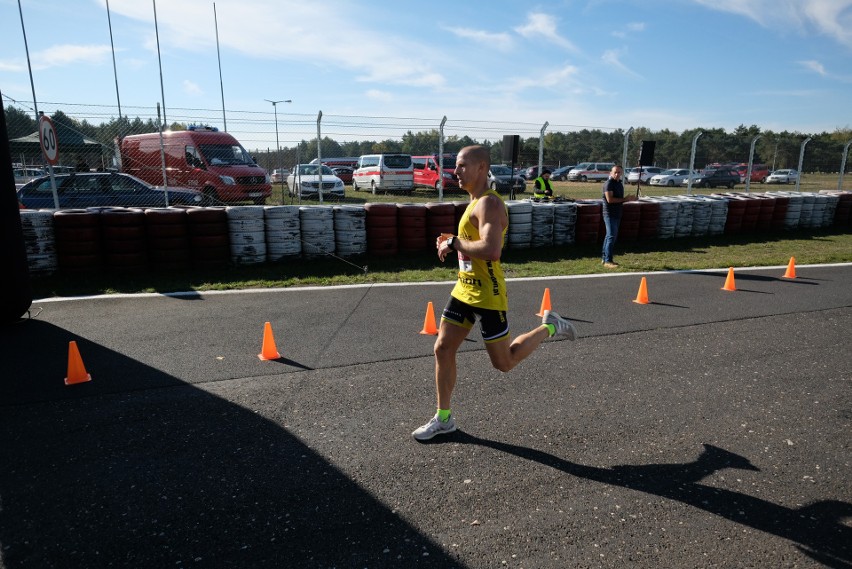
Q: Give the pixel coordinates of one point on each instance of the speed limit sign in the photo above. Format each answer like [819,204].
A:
[48,139]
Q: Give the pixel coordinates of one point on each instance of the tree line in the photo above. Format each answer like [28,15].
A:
[823,152]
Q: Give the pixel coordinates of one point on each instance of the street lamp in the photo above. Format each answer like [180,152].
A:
[277,144]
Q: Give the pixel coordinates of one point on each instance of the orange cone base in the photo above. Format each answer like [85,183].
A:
[642,296]
[76,370]
[268,351]
[791,269]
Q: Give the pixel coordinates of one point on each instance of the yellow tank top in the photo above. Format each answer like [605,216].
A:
[480,283]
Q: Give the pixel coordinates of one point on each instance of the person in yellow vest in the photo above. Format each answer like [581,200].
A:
[480,291]
[542,188]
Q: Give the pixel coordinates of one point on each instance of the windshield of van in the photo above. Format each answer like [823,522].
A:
[400,161]
[314,170]
[225,155]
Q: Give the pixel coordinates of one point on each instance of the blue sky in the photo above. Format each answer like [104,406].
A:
[674,64]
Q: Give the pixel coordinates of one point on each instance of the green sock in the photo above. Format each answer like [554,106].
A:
[550,328]
[444,415]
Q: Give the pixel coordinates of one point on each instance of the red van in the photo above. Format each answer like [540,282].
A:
[426,172]
[201,158]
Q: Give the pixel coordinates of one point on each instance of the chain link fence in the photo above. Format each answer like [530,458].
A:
[210,166]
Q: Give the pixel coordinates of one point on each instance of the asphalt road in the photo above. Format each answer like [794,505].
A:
[706,429]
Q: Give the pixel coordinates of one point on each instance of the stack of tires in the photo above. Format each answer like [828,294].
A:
[767,212]
[668,217]
[718,214]
[411,227]
[350,230]
[736,211]
[564,223]
[631,219]
[683,226]
[209,241]
[806,215]
[542,224]
[779,212]
[317,223]
[168,238]
[588,221]
[843,211]
[39,241]
[381,229]
[124,239]
[78,240]
[649,219]
[247,234]
[283,232]
[701,213]
[440,218]
[519,234]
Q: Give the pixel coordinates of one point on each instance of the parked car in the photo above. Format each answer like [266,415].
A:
[24,175]
[647,173]
[103,189]
[710,178]
[785,176]
[531,173]
[279,175]
[344,173]
[586,171]
[425,171]
[561,173]
[759,172]
[672,177]
[500,178]
[304,181]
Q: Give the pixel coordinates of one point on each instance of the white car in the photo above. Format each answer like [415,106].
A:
[304,181]
[786,176]
[672,177]
[647,173]
[279,175]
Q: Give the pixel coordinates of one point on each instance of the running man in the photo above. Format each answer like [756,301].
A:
[480,291]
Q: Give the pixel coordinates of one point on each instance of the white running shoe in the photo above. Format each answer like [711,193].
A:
[564,328]
[435,426]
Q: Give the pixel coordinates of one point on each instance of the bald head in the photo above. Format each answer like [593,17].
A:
[477,154]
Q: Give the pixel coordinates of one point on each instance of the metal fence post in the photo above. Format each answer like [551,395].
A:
[692,162]
[541,147]
[750,163]
[319,155]
[441,159]
[801,159]
[843,166]
[624,154]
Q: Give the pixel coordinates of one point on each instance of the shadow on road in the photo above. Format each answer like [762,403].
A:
[816,529]
[119,472]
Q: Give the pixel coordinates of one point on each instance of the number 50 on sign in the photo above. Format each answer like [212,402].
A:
[47,138]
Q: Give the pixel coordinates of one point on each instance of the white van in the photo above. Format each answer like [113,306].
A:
[384,172]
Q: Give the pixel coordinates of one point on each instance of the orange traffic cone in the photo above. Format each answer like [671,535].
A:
[791,269]
[269,351]
[429,322]
[729,282]
[642,297]
[545,302]
[76,370]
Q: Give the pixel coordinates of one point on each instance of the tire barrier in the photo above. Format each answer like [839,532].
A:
[350,230]
[247,234]
[174,238]
[543,215]
[519,234]
[411,227]
[168,238]
[564,223]
[588,221]
[381,229]
[209,240]
[39,241]
[125,243]
[78,240]
[283,232]
[317,222]
[441,218]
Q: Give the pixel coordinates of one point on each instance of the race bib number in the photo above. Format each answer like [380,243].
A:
[465,264]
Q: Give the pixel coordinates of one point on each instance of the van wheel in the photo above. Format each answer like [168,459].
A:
[584,179]
[354,186]
[373,187]
[670,183]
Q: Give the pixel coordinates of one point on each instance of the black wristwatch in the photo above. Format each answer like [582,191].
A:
[451,242]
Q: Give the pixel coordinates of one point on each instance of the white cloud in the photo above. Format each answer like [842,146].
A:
[814,66]
[612,57]
[830,17]
[377,95]
[540,26]
[62,55]
[499,41]
[191,88]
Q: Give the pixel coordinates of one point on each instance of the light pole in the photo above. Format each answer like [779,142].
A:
[277,144]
